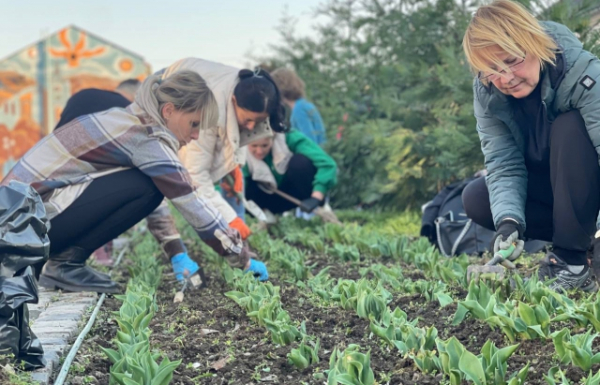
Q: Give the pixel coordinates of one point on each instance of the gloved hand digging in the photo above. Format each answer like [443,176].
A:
[509,232]
[259,269]
[309,205]
[241,227]
[183,266]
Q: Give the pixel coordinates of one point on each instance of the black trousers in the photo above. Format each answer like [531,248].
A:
[563,202]
[297,182]
[109,206]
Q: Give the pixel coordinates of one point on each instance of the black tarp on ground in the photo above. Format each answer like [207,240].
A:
[23,242]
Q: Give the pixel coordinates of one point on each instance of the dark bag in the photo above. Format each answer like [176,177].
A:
[23,242]
[447,226]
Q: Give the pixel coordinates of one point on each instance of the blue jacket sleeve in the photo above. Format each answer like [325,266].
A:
[306,119]
[319,127]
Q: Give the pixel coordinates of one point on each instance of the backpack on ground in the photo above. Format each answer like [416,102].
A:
[447,226]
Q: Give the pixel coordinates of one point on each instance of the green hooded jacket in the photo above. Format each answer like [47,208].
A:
[569,85]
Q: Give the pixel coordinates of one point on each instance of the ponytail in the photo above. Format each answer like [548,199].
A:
[146,98]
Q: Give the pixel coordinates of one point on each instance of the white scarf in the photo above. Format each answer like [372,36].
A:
[261,172]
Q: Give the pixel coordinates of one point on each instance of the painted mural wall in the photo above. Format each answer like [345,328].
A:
[36,83]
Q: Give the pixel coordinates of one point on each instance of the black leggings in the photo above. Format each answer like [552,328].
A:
[107,208]
[562,203]
[297,182]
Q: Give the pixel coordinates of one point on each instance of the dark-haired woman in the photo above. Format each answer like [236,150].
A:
[250,108]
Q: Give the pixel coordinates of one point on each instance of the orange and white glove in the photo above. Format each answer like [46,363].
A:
[238,182]
[241,227]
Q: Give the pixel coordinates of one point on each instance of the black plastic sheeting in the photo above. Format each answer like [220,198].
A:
[23,242]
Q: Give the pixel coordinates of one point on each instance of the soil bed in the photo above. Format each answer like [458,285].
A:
[219,344]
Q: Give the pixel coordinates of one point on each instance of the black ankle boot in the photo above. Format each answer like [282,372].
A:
[67,271]
[68,255]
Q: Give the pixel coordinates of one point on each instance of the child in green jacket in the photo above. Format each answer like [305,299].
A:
[293,164]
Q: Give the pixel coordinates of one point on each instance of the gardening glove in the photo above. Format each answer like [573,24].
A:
[233,183]
[259,269]
[183,266]
[241,227]
[509,232]
[309,205]
[227,243]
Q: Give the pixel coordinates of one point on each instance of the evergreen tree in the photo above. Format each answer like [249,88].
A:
[390,77]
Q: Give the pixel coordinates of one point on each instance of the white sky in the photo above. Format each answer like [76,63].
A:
[226,31]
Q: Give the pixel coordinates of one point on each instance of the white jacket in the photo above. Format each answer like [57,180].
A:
[219,149]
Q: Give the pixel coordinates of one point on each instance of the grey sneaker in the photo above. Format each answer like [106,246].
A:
[552,267]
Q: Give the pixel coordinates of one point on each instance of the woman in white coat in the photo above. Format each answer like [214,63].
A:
[250,108]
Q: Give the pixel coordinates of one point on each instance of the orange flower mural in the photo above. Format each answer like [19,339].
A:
[74,54]
[12,83]
[5,143]
[29,110]
[126,65]
[79,82]
[16,142]
[25,135]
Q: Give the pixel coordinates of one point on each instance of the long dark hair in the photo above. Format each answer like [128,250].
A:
[257,92]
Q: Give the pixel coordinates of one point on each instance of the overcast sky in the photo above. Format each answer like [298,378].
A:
[161,31]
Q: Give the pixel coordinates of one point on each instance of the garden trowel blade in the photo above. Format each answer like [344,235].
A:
[197,280]
[327,216]
[495,272]
[255,210]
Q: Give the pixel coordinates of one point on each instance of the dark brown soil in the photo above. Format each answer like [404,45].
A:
[251,356]
[219,344]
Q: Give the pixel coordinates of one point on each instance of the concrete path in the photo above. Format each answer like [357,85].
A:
[57,320]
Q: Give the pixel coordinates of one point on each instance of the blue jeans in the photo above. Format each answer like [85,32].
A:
[238,207]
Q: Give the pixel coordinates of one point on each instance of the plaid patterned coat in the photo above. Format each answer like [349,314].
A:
[63,164]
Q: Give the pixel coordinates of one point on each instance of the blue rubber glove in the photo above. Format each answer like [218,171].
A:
[182,262]
[259,269]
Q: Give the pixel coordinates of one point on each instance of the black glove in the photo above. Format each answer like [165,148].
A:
[309,205]
[508,232]
[507,227]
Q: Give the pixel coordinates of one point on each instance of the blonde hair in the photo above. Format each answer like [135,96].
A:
[289,84]
[187,91]
[510,26]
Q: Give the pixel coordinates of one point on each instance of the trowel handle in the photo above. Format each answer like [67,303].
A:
[505,253]
[500,257]
[287,197]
